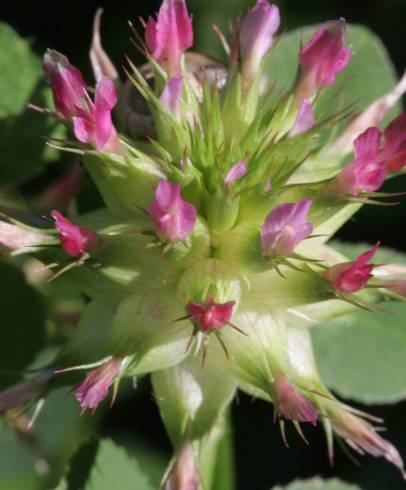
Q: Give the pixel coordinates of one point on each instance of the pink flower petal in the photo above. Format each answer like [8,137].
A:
[256,36]
[395,144]
[171,35]
[367,172]
[76,240]
[366,145]
[83,129]
[210,315]
[291,404]
[351,277]
[95,387]
[67,84]
[171,95]
[285,227]
[363,438]
[236,172]
[173,217]
[105,100]
[305,119]
[323,58]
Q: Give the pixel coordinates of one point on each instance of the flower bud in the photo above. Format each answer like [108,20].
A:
[322,59]
[170,35]
[394,151]
[367,172]
[256,36]
[95,125]
[75,240]
[95,387]
[209,315]
[285,227]
[67,84]
[183,475]
[291,404]
[362,437]
[305,119]
[350,277]
[91,121]
[173,217]
[236,172]
[171,95]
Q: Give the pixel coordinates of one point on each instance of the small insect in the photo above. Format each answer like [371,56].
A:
[132,111]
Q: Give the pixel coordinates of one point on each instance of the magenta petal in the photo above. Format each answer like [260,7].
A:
[76,240]
[150,35]
[350,277]
[395,144]
[105,100]
[210,315]
[166,194]
[106,95]
[171,95]
[367,173]
[236,172]
[67,84]
[173,217]
[323,58]
[183,25]
[83,129]
[359,176]
[285,227]
[366,146]
[293,405]
[171,35]
[363,438]
[95,387]
[256,35]
[305,119]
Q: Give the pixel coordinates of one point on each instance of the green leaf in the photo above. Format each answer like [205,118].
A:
[24,152]
[35,460]
[60,430]
[318,484]
[223,471]
[21,467]
[192,399]
[62,485]
[362,355]
[384,255]
[20,68]
[22,325]
[111,468]
[368,75]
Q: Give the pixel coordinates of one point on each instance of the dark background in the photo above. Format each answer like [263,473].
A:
[262,460]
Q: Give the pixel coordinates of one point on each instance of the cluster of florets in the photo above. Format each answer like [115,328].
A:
[209,227]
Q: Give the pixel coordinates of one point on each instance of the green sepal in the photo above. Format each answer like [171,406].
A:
[192,398]
[222,211]
[90,340]
[207,279]
[150,332]
[124,181]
